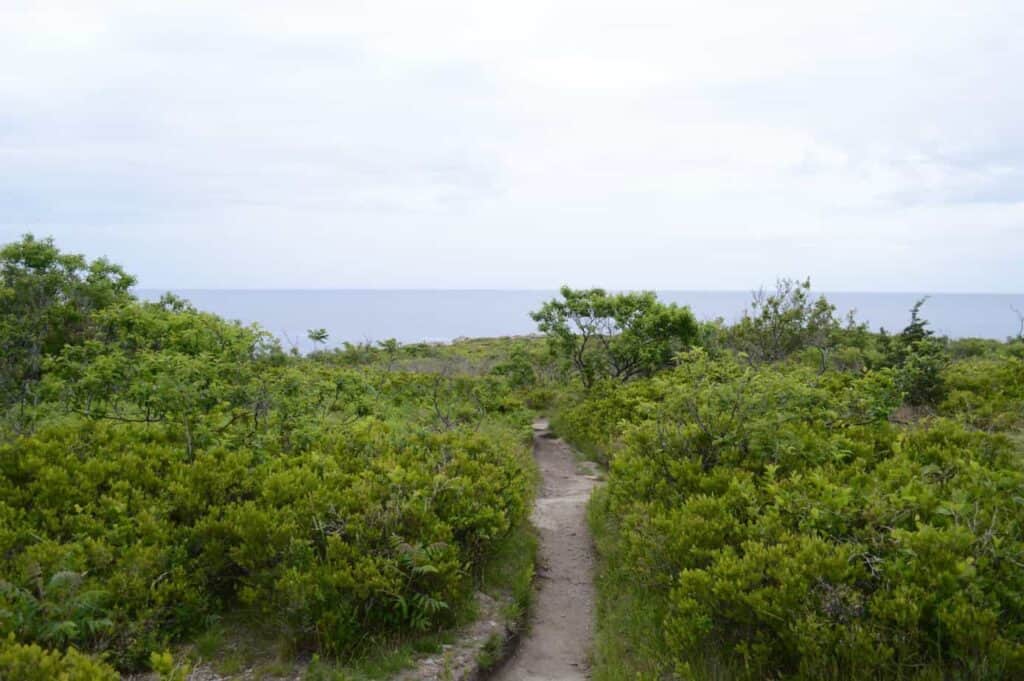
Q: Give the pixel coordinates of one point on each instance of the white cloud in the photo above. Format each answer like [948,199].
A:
[482,144]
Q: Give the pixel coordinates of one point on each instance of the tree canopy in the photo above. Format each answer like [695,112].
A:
[785,321]
[46,299]
[620,336]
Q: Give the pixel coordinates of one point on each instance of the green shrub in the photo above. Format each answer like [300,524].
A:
[987,392]
[777,525]
[593,421]
[919,375]
[785,322]
[20,662]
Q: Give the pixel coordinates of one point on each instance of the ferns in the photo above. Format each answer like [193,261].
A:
[418,606]
[59,613]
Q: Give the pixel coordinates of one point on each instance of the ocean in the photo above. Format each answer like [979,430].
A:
[443,315]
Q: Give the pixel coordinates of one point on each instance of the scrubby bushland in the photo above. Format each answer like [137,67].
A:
[781,518]
[987,392]
[161,468]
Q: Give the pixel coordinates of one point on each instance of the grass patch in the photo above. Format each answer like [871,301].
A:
[210,642]
[627,636]
[490,654]
[269,659]
[510,570]
[388,661]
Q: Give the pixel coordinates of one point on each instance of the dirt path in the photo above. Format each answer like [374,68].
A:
[557,644]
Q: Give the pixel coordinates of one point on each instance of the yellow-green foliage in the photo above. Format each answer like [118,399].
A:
[594,421]
[774,524]
[19,662]
[368,526]
[987,391]
[166,467]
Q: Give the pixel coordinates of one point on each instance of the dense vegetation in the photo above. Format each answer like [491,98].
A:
[162,470]
[800,498]
[792,496]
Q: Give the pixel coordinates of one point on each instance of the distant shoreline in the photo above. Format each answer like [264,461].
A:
[441,316]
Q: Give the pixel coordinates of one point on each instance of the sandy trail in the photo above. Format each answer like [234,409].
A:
[557,645]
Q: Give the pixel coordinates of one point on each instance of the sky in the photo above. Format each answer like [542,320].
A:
[873,146]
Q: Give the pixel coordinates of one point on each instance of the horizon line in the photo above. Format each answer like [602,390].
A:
[550,290]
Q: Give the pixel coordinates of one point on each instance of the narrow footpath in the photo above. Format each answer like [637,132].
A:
[557,643]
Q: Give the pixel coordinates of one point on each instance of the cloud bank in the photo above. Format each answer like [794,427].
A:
[671,145]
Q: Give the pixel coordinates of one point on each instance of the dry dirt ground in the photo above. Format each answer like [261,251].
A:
[557,643]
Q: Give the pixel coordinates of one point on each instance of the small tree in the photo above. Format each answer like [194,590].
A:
[317,336]
[391,347]
[917,330]
[620,336]
[784,322]
[919,359]
[46,300]
[919,377]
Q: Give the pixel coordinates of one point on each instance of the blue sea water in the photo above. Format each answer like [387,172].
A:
[439,315]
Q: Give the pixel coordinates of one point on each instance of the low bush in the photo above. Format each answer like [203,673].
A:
[775,524]
[20,662]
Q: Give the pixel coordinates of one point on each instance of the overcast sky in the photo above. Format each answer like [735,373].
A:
[478,144]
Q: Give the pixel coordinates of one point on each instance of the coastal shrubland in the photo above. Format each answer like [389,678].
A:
[164,472]
[793,496]
[800,498]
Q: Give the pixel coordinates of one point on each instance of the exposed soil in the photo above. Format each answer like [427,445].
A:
[461,660]
[557,643]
